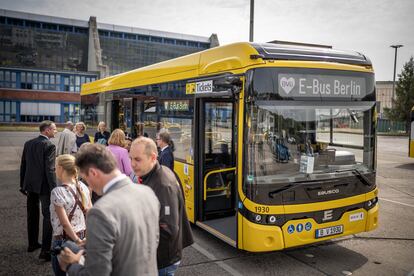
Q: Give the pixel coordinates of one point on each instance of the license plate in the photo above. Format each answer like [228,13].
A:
[329,231]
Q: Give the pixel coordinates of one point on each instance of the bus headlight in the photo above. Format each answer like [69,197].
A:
[371,203]
[264,219]
[272,219]
[278,220]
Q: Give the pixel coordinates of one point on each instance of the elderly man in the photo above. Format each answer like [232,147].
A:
[66,143]
[37,180]
[121,228]
[175,231]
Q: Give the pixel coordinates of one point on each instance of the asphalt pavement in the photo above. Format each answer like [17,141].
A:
[388,250]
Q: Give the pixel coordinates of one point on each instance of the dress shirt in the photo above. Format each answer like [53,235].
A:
[112,182]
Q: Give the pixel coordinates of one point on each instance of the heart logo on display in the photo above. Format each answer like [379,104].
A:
[287,84]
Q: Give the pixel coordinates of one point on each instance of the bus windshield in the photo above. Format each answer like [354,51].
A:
[294,141]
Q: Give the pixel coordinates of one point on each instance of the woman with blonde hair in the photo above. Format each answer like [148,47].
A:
[117,145]
[102,136]
[69,204]
[81,136]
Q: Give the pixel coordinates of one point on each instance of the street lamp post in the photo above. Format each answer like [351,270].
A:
[395,67]
[251,20]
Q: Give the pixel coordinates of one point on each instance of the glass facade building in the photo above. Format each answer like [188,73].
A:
[44,60]
[125,51]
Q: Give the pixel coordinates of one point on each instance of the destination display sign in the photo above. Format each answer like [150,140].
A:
[176,105]
[326,86]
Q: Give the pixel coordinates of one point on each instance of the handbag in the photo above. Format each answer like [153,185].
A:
[102,141]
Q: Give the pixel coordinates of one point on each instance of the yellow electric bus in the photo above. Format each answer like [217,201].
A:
[275,144]
[411,136]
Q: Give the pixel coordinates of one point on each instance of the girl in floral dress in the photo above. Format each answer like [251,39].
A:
[69,204]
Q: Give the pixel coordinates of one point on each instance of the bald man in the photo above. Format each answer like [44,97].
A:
[175,231]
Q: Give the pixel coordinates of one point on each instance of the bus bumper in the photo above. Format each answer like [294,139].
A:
[306,231]
[372,219]
[261,238]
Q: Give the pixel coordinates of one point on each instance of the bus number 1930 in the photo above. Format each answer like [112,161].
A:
[262,209]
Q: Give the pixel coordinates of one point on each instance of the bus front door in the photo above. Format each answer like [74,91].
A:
[216,168]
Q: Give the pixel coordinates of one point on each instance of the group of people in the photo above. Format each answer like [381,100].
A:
[133,229]
[73,136]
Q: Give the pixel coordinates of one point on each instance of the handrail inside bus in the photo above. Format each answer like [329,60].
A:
[213,172]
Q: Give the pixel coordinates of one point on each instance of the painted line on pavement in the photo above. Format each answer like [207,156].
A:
[221,264]
[393,201]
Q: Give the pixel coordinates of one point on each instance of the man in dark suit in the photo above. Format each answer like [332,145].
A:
[175,230]
[37,179]
[166,156]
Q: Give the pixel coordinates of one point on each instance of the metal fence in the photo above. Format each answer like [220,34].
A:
[388,126]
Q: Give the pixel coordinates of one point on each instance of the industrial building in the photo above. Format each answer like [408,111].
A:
[44,60]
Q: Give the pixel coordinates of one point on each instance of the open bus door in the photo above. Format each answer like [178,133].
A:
[121,113]
[215,168]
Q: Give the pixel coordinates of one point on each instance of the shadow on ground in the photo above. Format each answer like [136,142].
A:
[408,166]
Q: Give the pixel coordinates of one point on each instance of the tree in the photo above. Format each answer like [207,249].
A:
[404,91]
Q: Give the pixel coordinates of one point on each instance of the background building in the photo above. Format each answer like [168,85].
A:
[384,96]
[44,60]
[384,100]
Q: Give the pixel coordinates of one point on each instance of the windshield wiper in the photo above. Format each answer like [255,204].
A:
[359,175]
[289,186]
[284,188]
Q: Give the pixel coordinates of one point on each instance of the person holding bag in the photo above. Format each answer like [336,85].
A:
[102,135]
[69,204]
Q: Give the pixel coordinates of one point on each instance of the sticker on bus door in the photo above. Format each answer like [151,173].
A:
[204,87]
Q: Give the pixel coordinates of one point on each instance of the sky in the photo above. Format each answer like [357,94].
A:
[365,26]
